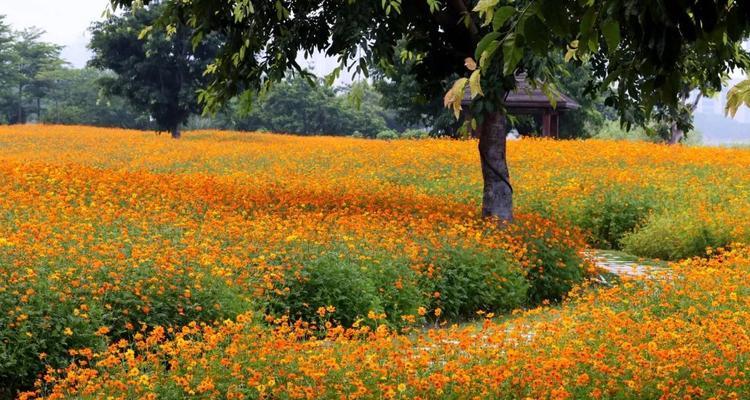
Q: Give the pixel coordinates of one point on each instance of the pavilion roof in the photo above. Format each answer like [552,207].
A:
[528,99]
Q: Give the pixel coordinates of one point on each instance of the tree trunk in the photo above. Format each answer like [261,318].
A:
[20,104]
[498,192]
[176,133]
[676,134]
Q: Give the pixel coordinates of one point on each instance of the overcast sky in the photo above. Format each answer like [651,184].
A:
[67,21]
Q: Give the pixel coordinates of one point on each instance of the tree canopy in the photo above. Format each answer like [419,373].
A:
[157,70]
[26,77]
[639,46]
[76,99]
[298,105]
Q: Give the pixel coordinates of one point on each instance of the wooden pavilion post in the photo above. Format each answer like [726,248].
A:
[555,125]
[546,124]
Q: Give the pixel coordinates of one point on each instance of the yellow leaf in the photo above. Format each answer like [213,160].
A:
[455,95]
[475,84]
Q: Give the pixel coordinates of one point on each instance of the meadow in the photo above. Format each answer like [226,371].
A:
[247,265]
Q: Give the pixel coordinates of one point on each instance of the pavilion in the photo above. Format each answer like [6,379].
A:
[526,100]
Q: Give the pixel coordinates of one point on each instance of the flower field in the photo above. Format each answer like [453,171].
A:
[265,266]
[687,338]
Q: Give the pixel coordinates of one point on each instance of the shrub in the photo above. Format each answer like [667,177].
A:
[612,130]
[415,134]
[191,295]
[551,257]
[675,236]
[38,328]
[398,289]
[351,290]
[468,280]
[50,313]
[387,135]
[613,213]
[691,331]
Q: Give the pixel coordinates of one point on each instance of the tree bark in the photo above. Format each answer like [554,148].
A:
[676,134]
[498,192]
[176,134]
[20,104]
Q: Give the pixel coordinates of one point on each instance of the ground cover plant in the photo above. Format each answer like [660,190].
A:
[115,238]
[684,336]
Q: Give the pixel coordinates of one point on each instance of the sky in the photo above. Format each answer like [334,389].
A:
[66,22]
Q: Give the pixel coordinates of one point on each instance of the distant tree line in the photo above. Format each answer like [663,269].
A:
[148,78]
[37,85]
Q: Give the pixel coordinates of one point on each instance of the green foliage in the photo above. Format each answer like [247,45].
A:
[157,70]
[36,86]
[458,280]
[6,69]
[737,96]
[614,212]
[613,130]
[676,236]
[75,99]
[353,287]
[38,327]
[189,297]
[647,64]
[298,105]
[552,265]
[593,114]
[415,134]
[387,135]
[401,91]
[281,32]
[639,73]
[470,280]
[27,77]
[41,325]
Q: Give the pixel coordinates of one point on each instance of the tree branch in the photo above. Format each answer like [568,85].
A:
[694,105]
[461,7]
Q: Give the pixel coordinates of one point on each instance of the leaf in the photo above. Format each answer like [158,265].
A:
[587,21]
[485,5]
[145,32]
[611,32]
[487,54]
[475,84]
[434,5]
[455,95]
[470,64]
[511,55]
[484,43]
[551,92]
[536,33]
[331,78]
[593,44]
[737,96]
[501,16]
[572,49]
